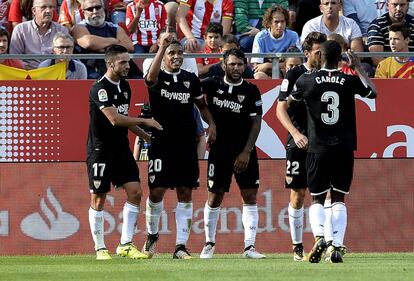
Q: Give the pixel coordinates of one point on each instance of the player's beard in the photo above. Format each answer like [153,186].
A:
[234,77]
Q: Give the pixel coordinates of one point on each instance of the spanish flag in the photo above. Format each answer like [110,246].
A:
[53,72]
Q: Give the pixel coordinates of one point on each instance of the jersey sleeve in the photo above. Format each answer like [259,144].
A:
[195,87]
[130,13]
[287,85]
[100,97]
[227,9]
[256,105]
[298,89]
[360,88]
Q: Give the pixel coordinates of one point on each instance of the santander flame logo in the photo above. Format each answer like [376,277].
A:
[52,223]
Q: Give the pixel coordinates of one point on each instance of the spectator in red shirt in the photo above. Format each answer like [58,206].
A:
[212,38]
[70,13]
[21,10]
[4,12]
[4,48]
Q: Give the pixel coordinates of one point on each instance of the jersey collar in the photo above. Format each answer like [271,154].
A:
[232,84]
[112,81]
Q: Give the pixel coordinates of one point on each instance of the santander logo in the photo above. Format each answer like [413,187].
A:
[51,223]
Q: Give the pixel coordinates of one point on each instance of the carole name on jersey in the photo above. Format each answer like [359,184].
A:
[233,106]
[330,79]
[182,97]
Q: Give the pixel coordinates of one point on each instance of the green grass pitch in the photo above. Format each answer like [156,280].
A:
[369,267]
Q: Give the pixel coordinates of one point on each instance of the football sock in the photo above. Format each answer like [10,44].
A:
[152,215]
[250,218]
[295,224]
[317,219]
[130,216]
[339,221]
[328,220]
[96,223]
[210,222]
[183,219]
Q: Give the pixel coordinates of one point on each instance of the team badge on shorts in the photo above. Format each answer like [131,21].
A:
[210,183]
[102,95]
[152,178]
[96,183]
[241,98]
[186,84]
[289,179]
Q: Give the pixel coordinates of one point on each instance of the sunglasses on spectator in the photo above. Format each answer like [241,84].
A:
[90,9]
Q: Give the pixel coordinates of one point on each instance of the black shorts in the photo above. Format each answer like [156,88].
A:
[331,169]
[106,168]
[296,168]
[173,165]
[221,169]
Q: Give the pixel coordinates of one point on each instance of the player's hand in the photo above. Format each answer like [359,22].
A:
[211,133]
[152,123]
[252,32]
[166,39]
[241,162]
[354,61]
[191,45]
[300,140]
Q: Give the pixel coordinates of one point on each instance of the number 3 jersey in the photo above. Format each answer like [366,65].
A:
[232,106]
[329,96]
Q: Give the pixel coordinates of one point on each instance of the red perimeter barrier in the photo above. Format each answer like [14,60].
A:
[44,210]
[49,122]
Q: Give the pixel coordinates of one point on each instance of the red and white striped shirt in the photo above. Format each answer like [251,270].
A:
[152,20]
[70,12]
[203,11]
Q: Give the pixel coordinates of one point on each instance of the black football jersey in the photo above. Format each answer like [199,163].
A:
[232,107]
[329,96]
[296,113]
[102,134]
[172,103]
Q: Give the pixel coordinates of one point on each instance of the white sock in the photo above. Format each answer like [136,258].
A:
[130,216]
[328,220]
[152,214]
[96,223]
[317,219]
[250,218]
[210,222]
[183,220]
[296,224]
[339,221]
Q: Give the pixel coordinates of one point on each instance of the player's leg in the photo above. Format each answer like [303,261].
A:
[295,180]
[183,221]
[328,220]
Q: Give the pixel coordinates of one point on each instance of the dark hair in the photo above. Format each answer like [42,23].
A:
[268,15]
[311,39]
[331,51]
[26,8]
[294,49]
[400,27]
[230,39]
[175,42]
[4,32]
[214,27]
[113,50]
[234,52]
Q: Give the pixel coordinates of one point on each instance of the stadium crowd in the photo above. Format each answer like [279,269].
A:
[267,26]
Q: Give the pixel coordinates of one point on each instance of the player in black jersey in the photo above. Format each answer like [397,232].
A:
[173,161]
[109,158]
[330,102]
[294,121]
[236,106]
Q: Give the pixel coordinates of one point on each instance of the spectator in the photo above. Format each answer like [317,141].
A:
[300,11]
[331,22]
[194,15]
[144,20]
[4,47]
[397,67]
[63,45]
[22,10]
[94,34]
[343,65]
[291,62]
[36,36]
[248,15]
[363,12]
[70,13]
[117,10]
[4,12]
[275,38]
[214,34]
[229,41]
[378,32]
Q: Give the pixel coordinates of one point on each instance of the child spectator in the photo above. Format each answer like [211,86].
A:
[4,49]
[212,38]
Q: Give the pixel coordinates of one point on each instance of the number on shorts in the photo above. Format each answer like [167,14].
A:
[295,167]
[211,170]
[332,99]
[98,169]
[155,165]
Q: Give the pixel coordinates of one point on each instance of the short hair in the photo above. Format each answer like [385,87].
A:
[4,32]
[83,3]
[214,27]
[234,52]
[268,15]
[331,51]
[112,51]
[340,1]
[230,39]
[338,38]
[175,42]
[311,39]
[294,49]
[400,27]
[61,35]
